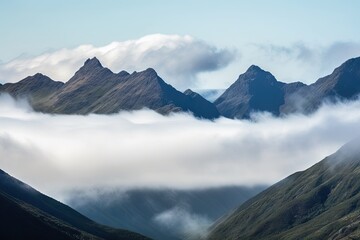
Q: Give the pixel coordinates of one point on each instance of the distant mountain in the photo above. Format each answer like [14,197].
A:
[95,89]
[342,84]
[322,202]
[139,210]
[35,88]
[28,214]
[257,91]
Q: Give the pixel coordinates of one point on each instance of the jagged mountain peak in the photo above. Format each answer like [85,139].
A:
[92,62]
[255,73]
[149,72]
[39,75]
[189,92]
[254,68]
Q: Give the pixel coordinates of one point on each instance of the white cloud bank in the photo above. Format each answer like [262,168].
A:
[57,154]
[178,59]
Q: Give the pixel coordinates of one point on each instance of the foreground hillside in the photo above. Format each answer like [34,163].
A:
[28,214]
[322,202]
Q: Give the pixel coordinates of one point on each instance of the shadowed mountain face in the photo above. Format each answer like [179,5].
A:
[342,84]
[28,214]
[95,89]
[162,214]
[35,88]
[257,90]
[319,203]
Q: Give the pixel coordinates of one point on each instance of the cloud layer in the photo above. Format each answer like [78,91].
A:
[57,154]
[301,61]
[178,59]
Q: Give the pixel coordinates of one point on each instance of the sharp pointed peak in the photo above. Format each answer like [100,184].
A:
[256,73]
[188,91]
[150,72]
[93,62]
[38,75]
[255,68]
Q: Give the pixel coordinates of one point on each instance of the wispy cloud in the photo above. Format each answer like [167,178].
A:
[300,61]
[184,223]
[58,153]
[178,59]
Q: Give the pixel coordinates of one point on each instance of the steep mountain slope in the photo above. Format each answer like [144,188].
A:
[200,105]
[35,88]
[95,89]
[343,83]
[255,90]
[32,214]
[147,89]
[141,210]
[322,202]
[77,95]
[22,221]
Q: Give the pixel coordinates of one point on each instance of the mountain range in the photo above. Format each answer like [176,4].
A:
[29,214]
[96,89]
[258,91]
[322,202]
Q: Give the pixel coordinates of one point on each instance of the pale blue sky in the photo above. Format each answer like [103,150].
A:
[295,40]
[32,27]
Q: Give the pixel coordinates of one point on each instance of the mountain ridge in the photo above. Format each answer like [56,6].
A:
[95,89]
[257,90]
[321,202]
[38,215]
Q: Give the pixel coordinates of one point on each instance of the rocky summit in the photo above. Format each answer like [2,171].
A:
[95,89]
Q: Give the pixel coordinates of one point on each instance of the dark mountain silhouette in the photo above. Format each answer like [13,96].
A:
[95,89]
[29,214]
[257,90]
[319,203]
[35,88]
[342,84]
[137,210]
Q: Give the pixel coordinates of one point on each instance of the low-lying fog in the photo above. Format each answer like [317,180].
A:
[59,153]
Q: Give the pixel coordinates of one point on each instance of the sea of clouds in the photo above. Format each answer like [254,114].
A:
[61,153]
